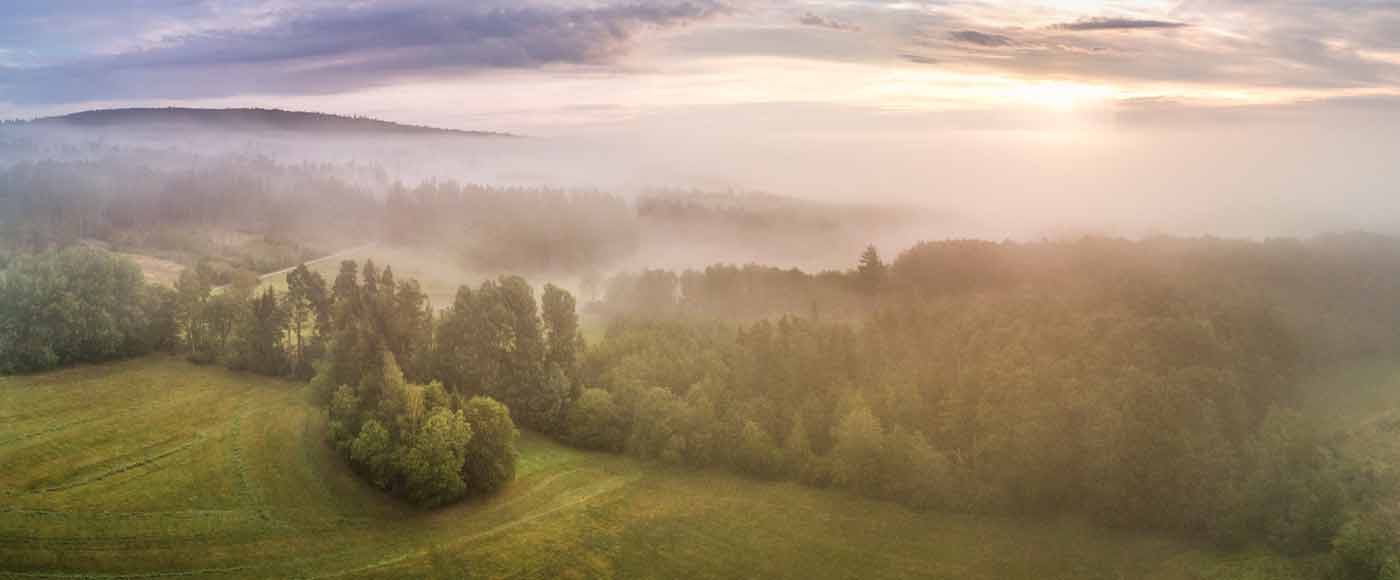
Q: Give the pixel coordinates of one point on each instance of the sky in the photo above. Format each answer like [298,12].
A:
[1248,116]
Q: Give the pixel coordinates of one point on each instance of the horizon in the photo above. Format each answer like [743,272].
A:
[1128,117]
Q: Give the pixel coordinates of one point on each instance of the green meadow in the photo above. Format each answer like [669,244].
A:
[158,468]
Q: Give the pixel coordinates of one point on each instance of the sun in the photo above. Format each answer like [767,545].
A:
[1059,97]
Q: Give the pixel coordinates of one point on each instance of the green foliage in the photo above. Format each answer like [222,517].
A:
[856,459]
[432,465]
[756,453]
[1367,548]
[259,337]
[439,448]
[490,455]
[373,450]
[1294,492]
[594,422]
[492,340]
[562,338]
[410,440]
[77,305]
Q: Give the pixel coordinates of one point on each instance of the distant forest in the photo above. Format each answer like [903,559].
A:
[253,214]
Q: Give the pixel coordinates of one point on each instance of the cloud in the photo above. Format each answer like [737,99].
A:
[1220,47]
[810,19]
[1095,24]
[918,58]
[355,45]
[982,38]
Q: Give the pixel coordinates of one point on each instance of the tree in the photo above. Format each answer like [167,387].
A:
[756,452]
[561,329]
[433,464]
[542,407]
[860,444]
[192,296]
[871,272]
[797,451]
[594,421]
[345,293]
[490,455]
[301,305]
[259,337]
[373,451]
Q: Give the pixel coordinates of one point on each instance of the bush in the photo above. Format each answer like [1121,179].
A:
[1367,548]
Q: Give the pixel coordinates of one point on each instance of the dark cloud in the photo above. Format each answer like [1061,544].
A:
[349,47]
[1093,24]
[982,38]
[918,58]
[810,19]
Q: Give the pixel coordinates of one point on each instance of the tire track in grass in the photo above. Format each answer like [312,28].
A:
[247,490]
[610,485]
[50,430]
[118,470]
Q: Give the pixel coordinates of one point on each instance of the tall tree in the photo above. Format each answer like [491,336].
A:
[300,307]
[872,271]
[562,339]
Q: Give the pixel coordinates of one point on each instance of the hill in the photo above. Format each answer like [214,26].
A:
[245,120]
[155,467]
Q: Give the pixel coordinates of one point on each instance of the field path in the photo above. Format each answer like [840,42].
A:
[263,278]
[339,254]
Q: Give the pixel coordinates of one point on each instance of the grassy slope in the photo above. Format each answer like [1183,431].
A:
[156,270]
[156,466]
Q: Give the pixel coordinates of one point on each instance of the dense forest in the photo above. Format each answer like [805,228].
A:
[1149,385]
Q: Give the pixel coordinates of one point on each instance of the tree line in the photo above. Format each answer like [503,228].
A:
[1098,379]
[1147,384]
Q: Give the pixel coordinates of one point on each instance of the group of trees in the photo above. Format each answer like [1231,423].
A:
[417,401]
[396,423]
[1147,384]
[78,305]
[1167,420]
[497,340]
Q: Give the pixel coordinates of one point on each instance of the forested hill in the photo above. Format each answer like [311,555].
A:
[245,120]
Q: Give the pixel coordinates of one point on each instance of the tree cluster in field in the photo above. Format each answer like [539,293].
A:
[78,305]
[394,421]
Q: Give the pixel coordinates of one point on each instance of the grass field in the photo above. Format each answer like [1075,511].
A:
[157,468]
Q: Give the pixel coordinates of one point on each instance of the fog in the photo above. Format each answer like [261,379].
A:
[1128,170]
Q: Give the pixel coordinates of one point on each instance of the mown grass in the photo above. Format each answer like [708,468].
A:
[155,467]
